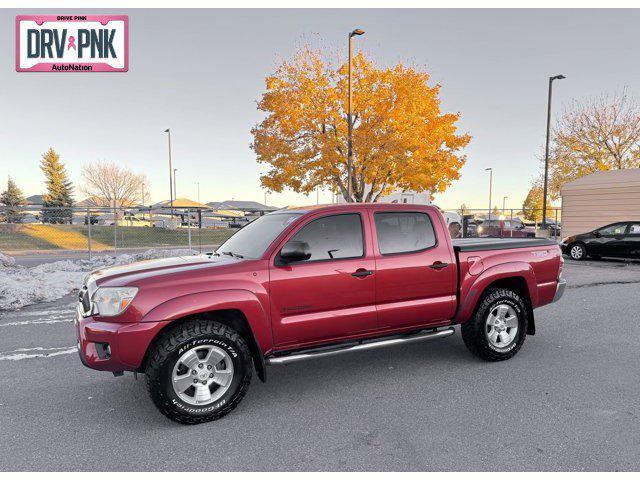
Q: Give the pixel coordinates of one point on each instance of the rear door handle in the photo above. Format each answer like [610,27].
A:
[361,273]
[438,265]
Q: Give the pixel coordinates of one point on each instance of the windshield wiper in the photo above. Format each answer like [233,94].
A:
[231,254]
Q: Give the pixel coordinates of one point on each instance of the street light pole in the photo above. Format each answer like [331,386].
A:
[175,190]
[490,170]
[168,130]
[504,200]
[546,153]
[357,31]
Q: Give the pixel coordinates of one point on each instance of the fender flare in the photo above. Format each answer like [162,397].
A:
[472,293]
[244,301]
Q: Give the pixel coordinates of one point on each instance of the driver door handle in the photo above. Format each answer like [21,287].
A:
[361,273]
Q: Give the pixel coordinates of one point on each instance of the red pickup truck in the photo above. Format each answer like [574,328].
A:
[305,283]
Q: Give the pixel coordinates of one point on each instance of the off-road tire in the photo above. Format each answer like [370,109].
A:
[474,333]
[167,351]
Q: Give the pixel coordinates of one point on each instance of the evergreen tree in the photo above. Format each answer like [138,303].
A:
[58,200]
[11,198]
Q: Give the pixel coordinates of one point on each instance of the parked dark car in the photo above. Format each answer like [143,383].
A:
[621,239]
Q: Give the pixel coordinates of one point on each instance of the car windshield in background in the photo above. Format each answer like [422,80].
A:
[252,240]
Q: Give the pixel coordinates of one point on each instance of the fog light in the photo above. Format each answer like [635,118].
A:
[103,350]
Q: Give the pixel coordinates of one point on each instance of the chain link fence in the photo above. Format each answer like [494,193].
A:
[89,231]
[504,223]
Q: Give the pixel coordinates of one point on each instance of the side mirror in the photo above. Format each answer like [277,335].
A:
[295,251]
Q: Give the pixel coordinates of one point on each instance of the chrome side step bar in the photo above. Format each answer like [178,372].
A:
[367,345]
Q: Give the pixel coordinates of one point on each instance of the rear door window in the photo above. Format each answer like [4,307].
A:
[404,232]
[634,229]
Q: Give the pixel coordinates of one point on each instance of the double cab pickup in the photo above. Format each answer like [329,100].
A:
[304,283]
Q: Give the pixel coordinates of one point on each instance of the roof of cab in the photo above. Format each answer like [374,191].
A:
[349,206]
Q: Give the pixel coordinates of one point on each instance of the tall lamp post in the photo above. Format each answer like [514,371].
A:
[490,170]
[546,153]
[168,130]
[504,201]
[357,31]
[175,190]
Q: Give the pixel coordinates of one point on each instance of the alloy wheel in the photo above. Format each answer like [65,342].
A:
[202,375]
[501,326]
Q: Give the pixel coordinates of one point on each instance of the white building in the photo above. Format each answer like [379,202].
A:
[421,198]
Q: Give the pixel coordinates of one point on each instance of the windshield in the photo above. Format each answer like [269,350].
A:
[252,240]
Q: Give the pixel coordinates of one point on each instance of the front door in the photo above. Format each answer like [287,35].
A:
[332,294]
[415,270]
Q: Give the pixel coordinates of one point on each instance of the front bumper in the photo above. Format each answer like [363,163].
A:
[113,346]
[565,248]
[562,284]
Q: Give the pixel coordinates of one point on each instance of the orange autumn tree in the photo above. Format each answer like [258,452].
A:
[401,138]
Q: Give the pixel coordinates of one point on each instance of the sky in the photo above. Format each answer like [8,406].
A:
[200,73]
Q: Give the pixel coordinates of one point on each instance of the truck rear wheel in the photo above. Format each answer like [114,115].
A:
[198,371]
[498,328]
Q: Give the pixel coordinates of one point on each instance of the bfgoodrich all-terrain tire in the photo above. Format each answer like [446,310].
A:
[198,371]
[498,328]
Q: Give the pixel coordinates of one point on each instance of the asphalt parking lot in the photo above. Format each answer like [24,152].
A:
[570,400]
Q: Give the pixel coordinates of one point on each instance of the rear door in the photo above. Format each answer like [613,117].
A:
[415,269]
[632,240]
[610,242]
[331,295]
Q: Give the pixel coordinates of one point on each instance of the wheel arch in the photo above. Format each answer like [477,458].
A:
[239,309]
[516,276]
[518,285]
[233,318]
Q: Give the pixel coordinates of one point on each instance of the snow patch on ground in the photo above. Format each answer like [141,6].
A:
[21,286]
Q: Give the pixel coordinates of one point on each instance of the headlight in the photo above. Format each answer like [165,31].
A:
[111,301]
[568,239]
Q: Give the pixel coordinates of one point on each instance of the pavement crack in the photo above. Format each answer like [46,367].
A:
[599,284]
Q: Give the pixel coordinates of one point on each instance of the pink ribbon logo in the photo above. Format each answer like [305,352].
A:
[72,43]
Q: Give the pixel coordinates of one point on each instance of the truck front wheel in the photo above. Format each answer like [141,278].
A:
[198,371]
[498,328]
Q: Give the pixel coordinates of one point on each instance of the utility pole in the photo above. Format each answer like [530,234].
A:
[168,130]
[357,31]
[175,190]
[546,153]
[490,170]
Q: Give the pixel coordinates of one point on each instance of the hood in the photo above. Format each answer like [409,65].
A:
[160,266]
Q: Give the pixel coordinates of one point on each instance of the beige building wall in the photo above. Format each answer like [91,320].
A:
[599,199]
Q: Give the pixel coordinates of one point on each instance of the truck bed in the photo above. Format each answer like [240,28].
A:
[480,244]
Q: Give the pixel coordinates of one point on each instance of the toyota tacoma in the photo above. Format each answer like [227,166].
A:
[305,283]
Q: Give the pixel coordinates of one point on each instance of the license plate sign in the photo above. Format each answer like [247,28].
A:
[72,43]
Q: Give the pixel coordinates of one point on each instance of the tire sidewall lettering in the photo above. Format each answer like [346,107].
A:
[197,342]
